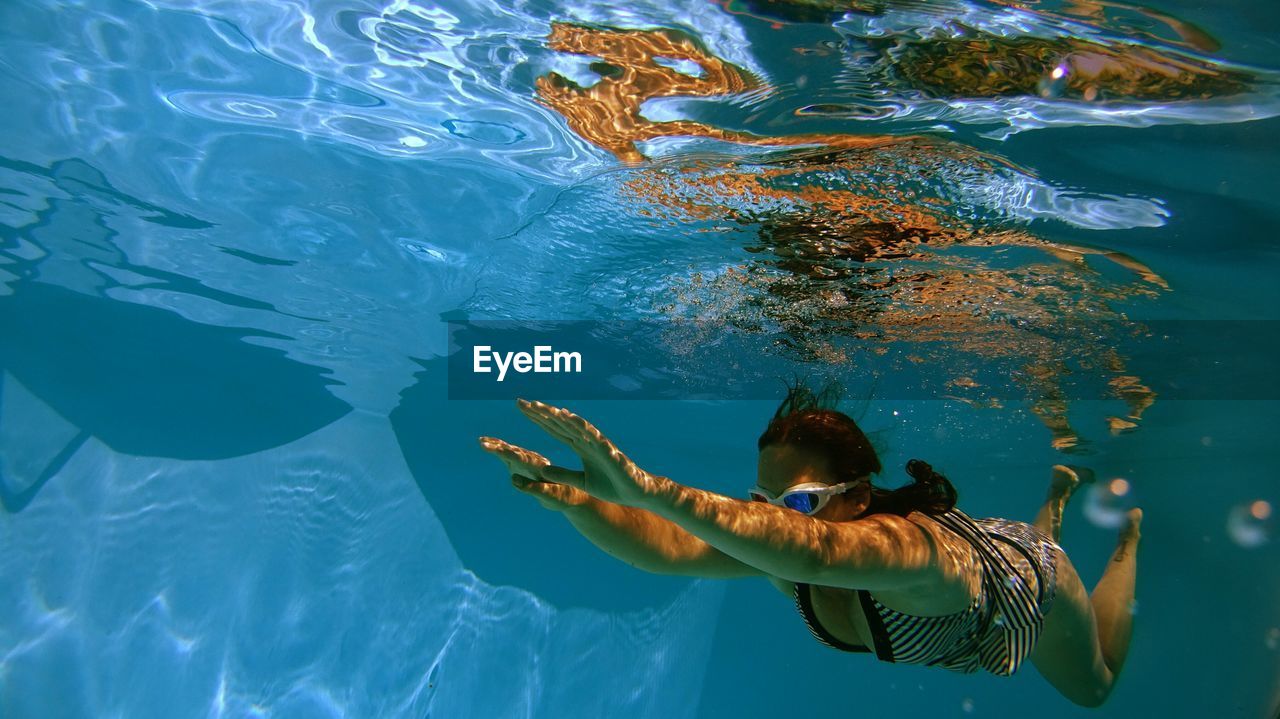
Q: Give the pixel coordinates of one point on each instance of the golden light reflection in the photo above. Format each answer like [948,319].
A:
[853,237]
[607,114]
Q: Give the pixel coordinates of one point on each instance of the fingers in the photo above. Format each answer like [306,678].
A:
[545,422]
[553,420]
[563,476]
[510,453]
[568,427]
[531,465]
[553,496]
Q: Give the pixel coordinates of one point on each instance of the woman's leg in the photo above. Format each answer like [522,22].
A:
[1084,640]
[1112,597]
[1066,479]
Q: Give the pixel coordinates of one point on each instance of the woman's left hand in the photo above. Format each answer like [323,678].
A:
[607,474]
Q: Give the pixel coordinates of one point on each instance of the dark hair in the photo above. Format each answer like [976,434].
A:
[809,420]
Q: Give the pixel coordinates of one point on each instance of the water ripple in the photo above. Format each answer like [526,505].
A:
[403,78]
[305,582]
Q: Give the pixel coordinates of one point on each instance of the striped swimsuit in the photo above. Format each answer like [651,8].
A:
[996,632]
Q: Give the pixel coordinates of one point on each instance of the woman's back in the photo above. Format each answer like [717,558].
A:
[1005,571]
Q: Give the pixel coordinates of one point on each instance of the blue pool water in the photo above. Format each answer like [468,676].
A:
[232,236]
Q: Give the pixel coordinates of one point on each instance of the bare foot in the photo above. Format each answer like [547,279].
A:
[1066,479]
[1131,532]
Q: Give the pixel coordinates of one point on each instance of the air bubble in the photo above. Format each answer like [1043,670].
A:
[1104,503]
[1249,525]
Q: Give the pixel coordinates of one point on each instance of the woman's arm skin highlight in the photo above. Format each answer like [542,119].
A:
[646,541]
[635,536]
[879,552]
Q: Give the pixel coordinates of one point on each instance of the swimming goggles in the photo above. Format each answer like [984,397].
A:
[808,497]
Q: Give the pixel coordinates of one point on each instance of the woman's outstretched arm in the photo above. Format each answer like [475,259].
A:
[880,552]
[649,542]
[635,536]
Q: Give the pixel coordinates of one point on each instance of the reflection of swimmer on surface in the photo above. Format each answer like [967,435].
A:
[827,213]
[854,244]
[900,573]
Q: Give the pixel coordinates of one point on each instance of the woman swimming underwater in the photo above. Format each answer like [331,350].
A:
[900,573]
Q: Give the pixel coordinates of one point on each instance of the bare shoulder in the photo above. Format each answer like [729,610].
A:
[954,554]
[957,578]
[916,531]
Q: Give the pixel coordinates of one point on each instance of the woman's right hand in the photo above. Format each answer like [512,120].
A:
[525,466]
